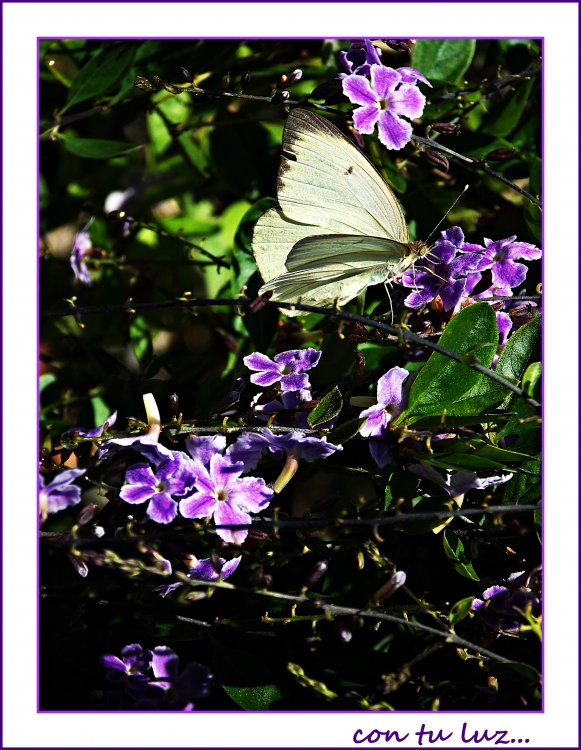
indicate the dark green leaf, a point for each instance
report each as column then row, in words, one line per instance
column 460, row 610
column 443, row 382
column 507, row 119
column 327, row 408
column 443, row 59
column 140, row 335
column 524, row 674
column 346, row 431
column 249, row 682
column 95, row 148
column 522, row 486
column 457, row 558
column 101, row 72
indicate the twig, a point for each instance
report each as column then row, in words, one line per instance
column 331, row 312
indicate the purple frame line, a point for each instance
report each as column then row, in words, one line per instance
column 178, row 38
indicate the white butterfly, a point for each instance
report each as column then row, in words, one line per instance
column 339, row 227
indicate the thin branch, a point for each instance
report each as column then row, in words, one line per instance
column 351, row 611
column 401, row 333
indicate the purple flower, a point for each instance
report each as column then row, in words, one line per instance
column 203, row 570
column 438, row 274
column 97, row 431
column 151, row 449
column 82, row 247
column 221, row 493
column 457, row 483
column 390, row 397
column 133, row 663
column 384, row 102
column 504, row 322
column 250, row 447
column 499, row 256
column 169, row 689
column 202, row 448
column 290, row 402
column 60, row 492
column 509, row 602
column 411, row 75
column 175, row 477
column 288, row 368
column 359, row 60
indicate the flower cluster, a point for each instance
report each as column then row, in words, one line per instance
column 164, row 689
column 501, row 604
column 83, row 249
column 384, row 100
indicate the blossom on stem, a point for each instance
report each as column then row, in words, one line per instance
column 173, row 478
column 499, row 257
column 97, row 431
column 203, row 570
column 507, row 601
column 223, row 494
column 59, row 493
column 82, row 248
column 134, row 662
column 383, row 102
column 360, row 57
column 439, row 273
column 390, row 400
column 288, row 368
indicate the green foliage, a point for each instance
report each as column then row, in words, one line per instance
column 443, row 59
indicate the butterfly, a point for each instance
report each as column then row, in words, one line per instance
column 338, row 228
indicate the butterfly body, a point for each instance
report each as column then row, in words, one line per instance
column 338, row 228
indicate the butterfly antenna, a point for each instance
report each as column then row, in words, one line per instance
column 447, row 212
column 390, row 302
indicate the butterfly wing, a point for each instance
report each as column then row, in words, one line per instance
column 328, row 186
column 335, row 268
column 328, row 182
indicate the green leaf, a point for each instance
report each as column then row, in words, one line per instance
column 507, row 119
column 48, row 378
column 443, row 59
column 531, row 379
column 95, row 148
column 327, row 408
column 525, row 485
column 534, row 220
column 443, row 382
column 346, row 431
column 401, row 487
column 511, row 365
column 247, row 680
column 140, row 334
column 460, row 610
column 525, row 674
column 457, row 558
column 101, row 73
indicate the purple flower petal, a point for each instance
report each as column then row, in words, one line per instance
column 226, row 514
column 202, row 448
column 380, row 453
column 365, row 119
column 408, row 101
column 162, row 508
column 198, row 505
column 358, row 90
column 390, row 386
column 451, row 294
column 411, row 75
column 384, row 80
column 203, row 570
column 393, row 132
column 165, row 663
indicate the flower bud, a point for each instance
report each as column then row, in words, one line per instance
column 447, row 128
column 259, row 302
column 173, row 403
column 187, row 75
column 78, row 564
column 226, row 82
column 324, row 90
column 437, row 158
column 280, row 97
column 245, row 79
column 341, row 631
column 317, row 572
column 398, row 45
column 87, row 514
column 270, row 394
column 257, row 534
column 287, row 81
column 358, row 371
column 500, row 154
column 142, row 83
column 389, row 588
